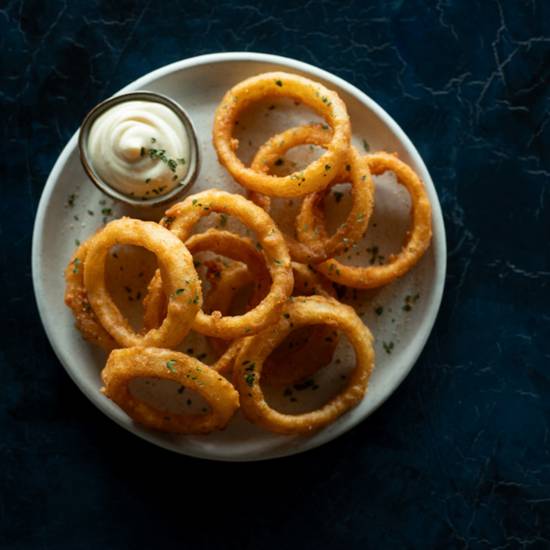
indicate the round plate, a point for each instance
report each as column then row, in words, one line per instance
column 71, row 209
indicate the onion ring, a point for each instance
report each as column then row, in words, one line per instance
column 325, row 102
column 76, row 298
column 213, row 240
column 312, row 247
column 417, row 240
column 234, row 246
column 176, row 264
column 124, row 365
column 247, row 371
column 221, row 296
column 181, row 219
column 290, row 362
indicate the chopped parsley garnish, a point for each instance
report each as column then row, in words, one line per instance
column 170, row 365
column 160, row 154
column 249, row 378
column 388, row 347
column 409, row 301
column 223, row 220
column 279, row 82
column 374, row 255
column 77, row 242
column 179, row 291
column 366, row 145
column 106, row 211
column 379, row 310
column 304, row 385
column 76, row 263
column 167, row 221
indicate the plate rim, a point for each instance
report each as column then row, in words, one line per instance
column 439, row 242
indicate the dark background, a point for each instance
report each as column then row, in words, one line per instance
column 459, row 455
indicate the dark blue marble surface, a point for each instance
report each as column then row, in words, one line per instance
column 459, row 455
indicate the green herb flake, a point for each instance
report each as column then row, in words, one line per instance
column 76, row 263
column 279, row 82
column 170, row 365
column 142, row 152
column 388, row 347
column 223, row 220
column 249, row 378
column 179, row 291
column 366, row 145
column 77, row 242
column 379, row 310
column 167, row 221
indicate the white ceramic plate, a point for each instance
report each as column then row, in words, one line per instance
column 198, row 84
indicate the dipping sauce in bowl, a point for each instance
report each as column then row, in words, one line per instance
column 140, row 148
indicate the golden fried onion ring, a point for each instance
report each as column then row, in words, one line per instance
column 417, row 240
column 312, row 247
column 76, row 298
column 181, row 281
column 213, row 240
column 291, row 363
column 247, row 371
column 182, row 217
column 325, row 102
column 220, row 297
column 124, row 365
column 227, row 244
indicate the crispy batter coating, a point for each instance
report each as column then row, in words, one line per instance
column 325, row 102
column 124, row 365
column 247, row 372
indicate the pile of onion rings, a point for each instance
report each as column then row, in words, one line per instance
column 270, row 312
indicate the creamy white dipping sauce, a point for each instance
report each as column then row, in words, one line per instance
column 140, row 148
